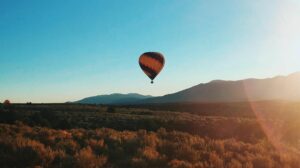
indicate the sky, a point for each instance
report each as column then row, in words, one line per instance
column 58, row 51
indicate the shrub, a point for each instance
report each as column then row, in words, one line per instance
column 110, row 109
column 86, row 159
column 6, row 103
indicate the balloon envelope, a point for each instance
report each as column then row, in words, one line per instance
column 151, row 63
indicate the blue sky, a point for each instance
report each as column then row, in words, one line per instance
column 57, row 51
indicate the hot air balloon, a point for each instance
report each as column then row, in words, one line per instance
column 152, row 63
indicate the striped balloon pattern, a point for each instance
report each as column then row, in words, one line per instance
column 152, row 63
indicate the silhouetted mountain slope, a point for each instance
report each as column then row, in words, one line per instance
column 113, row 99
column 276, row 88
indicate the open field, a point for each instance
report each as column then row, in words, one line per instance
column 257, row 134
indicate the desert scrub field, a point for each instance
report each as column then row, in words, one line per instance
column 24, row 146
column 72, row 135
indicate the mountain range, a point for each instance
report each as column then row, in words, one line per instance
column 276, row 88
column 115, row 98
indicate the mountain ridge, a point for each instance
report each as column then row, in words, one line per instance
column 114, row 98
column 251, row 89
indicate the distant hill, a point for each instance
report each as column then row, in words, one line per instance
column 276, row 88
column 113, row 99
